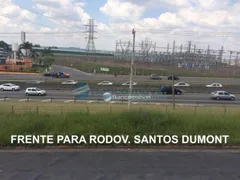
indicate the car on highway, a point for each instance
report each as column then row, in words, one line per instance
column 182, row 84
column 35, row 82
column 174, row 77
column 49, row 74
column 155, row 77
column 9, row 87
column 34, row 91
column 61, row 75
column 168, row 90
column 128, row 83
column 69, row 82
column 222, row 95
column 105, row 83
column 214, row 85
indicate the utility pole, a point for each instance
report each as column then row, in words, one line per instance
column 173, row 89
column 131, row 74
column 229, row 63
column 236, row 63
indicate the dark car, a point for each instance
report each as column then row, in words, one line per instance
column 168, row 90
column 61, row 75
column 175, row 78
column 155, row 77
column 50, row 74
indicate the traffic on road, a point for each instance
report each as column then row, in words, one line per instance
column 181, row 89
column 10, row 90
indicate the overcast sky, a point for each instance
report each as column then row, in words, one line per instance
column 213, row 22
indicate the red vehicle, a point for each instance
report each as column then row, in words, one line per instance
column 62, row 75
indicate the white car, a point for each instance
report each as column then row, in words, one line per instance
column 182, row 84
column 128, row 83
column 35, row 82
column 105, row 83
column 69, row 82
column 34, row 91
column 214, row 85
column 9, row 87
column 222, row 95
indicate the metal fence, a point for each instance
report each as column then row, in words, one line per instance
column 63, row 107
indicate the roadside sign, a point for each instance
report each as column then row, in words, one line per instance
column 104, row 69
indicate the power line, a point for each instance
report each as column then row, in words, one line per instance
column 164, row 32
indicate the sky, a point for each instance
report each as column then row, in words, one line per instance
column 61, row 22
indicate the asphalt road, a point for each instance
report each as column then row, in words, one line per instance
column 67, row 95
column 79, row 75
column 119, row 165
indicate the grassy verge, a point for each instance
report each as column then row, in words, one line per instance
column 105, row 119
column 123, row 67
column 29, row 70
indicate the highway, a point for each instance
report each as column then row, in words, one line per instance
column 79, row 75
column 119, row 165
column 58, row 91
column 98, row 96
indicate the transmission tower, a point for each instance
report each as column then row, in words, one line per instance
column 90, row 35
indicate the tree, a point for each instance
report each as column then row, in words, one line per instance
column 47, row 52
column 36, row 45
column 27, row 46
column 45, row 59
column 5, row 46
column 33, row 54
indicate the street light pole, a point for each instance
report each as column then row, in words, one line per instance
column 173, row 89
column 131, row 74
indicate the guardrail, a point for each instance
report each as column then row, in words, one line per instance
column 167, row 102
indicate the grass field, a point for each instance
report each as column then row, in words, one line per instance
column 88, row 64
column 112, row 119
column 16, row 107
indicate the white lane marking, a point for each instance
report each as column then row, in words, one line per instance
column 90, row 101
column 69, row 101
column 46, row 100
column 192, row 105
column 22, row 100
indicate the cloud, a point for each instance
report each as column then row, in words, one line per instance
column 200, row 21
column 62, row 10
column 13, row 18
column 122, row 10
column 12, row 11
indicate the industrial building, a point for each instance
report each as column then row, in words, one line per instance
column 3, row 56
